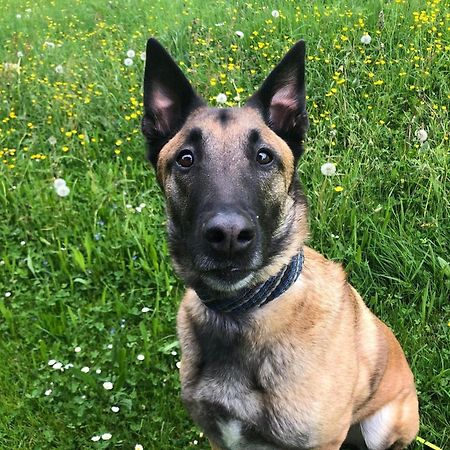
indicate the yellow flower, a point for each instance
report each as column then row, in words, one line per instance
column 338, row 188
column 119, row 142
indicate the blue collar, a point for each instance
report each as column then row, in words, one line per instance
column 255, row 297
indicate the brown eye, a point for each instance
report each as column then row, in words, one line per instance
column 185, row 159
column 264, row 157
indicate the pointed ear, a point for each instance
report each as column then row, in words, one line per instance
column 282, row 99
column 168, row 98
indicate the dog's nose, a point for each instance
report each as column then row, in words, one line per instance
column 229, row 233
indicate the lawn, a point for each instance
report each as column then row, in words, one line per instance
column 88, row 297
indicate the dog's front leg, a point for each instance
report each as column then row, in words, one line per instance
column 214, row 446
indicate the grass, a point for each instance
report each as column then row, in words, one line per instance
column 91, row 270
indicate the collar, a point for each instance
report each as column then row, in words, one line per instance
column 257, row 296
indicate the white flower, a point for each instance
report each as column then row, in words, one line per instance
column 145, row 309
column 108, row 385
column 131, row 53
column 7, row 294
column 128, row 62
column 49, row 44
column 19, row 54
column 85, row 369
column 95, row 438
column 143, row 56
column 106, row 436
column 239, row 34
column 138, row 209
column 220, row 24
column 68, row 366
column 77, row 349
column 140, row 357
column 142, row 205
column 366, row 39
column 99, row 371
column 115, row 409
column 63, row 191
column 18, row 16
column 178, row 364
column 138, row 447
column 328, row 169
column 59, row 69
column 109, row 346
column 22, row 243
column 173, row 353
column 221, row 98
column 52, row 362
column 275, row 14
column 195, row 442
column 48, row 392
column 52, row 140
column 421, row 135
column 58, row 183
column 57, row 366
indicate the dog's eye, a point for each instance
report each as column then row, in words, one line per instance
column 264, row 157
column 185, row 158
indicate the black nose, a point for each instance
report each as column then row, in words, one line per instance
column 229, row 233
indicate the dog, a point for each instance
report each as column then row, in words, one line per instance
column 278, row 349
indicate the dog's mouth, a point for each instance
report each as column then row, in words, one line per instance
column 227, row 279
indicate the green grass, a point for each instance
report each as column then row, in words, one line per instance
column 77, row 271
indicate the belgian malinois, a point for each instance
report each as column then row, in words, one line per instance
column 278, row 349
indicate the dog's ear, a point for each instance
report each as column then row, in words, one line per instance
column 168, row 98
column 282, row 99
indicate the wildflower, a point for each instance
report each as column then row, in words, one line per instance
column 178, row 364
column 131, row 53
column 140, row 357
column 18, row 16
column 138, row 447
column 275, row 14
column 115, row 409
column 239, row 34
column 49, row 44
column 98, row 371
column 57, row 366
column 108, row 385
column 59, row 69
column 58, row 183
column 22, row 243
column 173, row 353
column 366, row 39
column 221, row 98
column 62, row 191
column 143, row 56
column 85, row 369
column 421, row 135
column 52, row 140
column 52, row 362
column 128, row 62
column 328, row 169
column 338, row 188
column 7, row 294
column 11, row 67
column 145, row 309
column 109, row 346
column 95, row 438
column 106, row 436
column 19, row 54
column 48, row 392
column 77, row 349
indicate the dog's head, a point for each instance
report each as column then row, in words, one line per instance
column 235, row 211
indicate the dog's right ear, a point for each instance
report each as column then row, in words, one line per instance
column 168, row 98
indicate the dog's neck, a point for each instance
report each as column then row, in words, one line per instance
column 248, row 299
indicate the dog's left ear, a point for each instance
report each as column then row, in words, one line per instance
column 168, row 98
column 282, row 99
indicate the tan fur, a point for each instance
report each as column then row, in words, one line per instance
column 321, row 325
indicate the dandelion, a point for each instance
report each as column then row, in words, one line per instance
column 145, row 309
column 221, row 98
column 106, row 436
column 275, row 14
column 58, row 183
column 131, row 53
column 115, row 409
column 107, row 385
column 85, row 369
column 421, row 135
column 48, row 392
column 328, row 169
column 77, row 349
column 95, row 438
column 128, row 62
column 143, row 56
column 52, row 140
column 59, row 69
column 338, row 188
column 366, row 39
column 140, row 357
column 239, row 34
column 49, row 44
column 19, row 54
column 63, row 191
column 7, row 294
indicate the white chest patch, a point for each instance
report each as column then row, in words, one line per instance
column 231, row 434
column 377, row 428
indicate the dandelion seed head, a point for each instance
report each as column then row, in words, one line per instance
column 131, row 53
column 328, row 169
column 52, row 140
column 239, row 34
column 421, row 135
column 221, row 98
column 143, row 56
column 59, row 69
column 63, row 191
column 275, row 14
column 366, row 39
column 58, row 183
column 128, row 62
